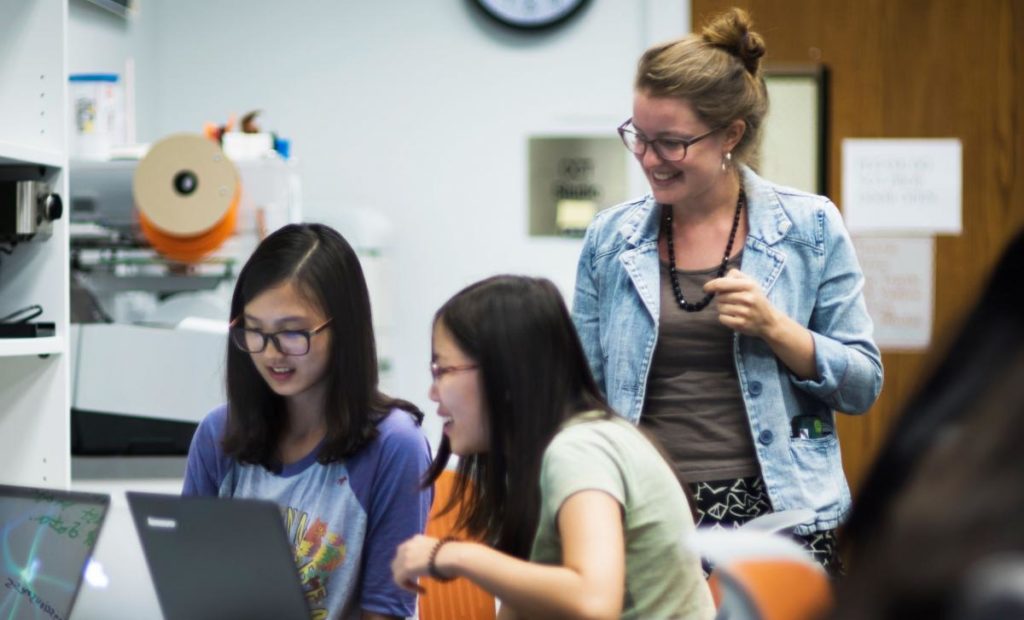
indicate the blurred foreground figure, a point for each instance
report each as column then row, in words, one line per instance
column 936, row 532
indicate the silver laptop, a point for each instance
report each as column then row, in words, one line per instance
column 218, row 558
column 46, row 540
column 117, row 583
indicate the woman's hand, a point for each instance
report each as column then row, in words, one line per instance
column 742, row 305
column 588, row 584
column 411, row 562
column 744, row 308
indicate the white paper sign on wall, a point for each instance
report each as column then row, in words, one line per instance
column 899, row 276
column 902, row 187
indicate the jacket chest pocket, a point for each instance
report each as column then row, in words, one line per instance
column 817, row 469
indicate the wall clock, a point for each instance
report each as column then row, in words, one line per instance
column 530, row 14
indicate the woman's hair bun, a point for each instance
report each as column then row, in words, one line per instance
column 731, row 31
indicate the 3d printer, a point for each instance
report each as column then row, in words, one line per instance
column 155, row 245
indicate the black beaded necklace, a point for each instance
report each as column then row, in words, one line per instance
column 700, row 305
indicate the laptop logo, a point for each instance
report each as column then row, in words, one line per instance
column 158, row 523
column 95, row 576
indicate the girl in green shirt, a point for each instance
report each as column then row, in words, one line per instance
column 581, row 515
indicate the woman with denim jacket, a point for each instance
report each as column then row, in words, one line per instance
column 721, row 312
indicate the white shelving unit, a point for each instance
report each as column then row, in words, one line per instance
column 34, row 384
column 12, row 153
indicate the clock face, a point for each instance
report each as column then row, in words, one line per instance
column 531, row 14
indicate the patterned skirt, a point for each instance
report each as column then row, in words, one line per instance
column 731, row 503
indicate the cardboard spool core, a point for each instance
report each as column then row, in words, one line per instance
column 187, row 195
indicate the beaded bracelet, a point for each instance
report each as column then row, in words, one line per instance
column 432, row 569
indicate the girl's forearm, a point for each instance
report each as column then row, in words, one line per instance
column 532, row 590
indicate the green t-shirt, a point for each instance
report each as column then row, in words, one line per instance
column 663, row 578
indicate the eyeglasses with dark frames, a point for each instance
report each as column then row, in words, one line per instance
column 437, row 371
column 292, row 342
column 668, row 149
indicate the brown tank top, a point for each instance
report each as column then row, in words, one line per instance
column 693, row 402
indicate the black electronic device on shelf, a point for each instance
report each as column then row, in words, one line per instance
column 28, row 204
column 42, row 329
column 19, row 324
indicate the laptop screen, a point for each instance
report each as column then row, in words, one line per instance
column 216, row 557
column 46, row 538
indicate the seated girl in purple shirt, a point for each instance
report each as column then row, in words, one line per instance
column 306, row 426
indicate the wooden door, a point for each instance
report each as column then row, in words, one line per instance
column 916, row 69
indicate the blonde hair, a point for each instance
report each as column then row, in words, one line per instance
column 718, row 72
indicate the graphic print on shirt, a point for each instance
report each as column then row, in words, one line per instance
column 318, row 552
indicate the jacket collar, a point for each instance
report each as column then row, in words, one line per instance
column 766, row 217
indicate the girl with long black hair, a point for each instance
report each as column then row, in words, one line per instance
column 306, row 426
column 581, row 514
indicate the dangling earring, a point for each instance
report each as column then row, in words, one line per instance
column 726, row 161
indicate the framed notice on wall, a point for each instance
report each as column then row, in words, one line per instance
column 572, row 177
column 795, row 138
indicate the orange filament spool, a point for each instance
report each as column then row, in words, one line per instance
column 187, row 194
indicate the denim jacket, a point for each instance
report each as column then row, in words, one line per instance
column 798, row 250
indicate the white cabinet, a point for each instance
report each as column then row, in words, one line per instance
column 34, row 403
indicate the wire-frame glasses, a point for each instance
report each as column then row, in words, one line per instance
column 668, row 149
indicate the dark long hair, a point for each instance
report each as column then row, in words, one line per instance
column 990, row 337
column 326, row 271
column 946, row 492
column 534, row 376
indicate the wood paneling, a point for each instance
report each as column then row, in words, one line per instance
column 916, row 69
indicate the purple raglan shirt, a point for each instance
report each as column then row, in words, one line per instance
column 344, row 519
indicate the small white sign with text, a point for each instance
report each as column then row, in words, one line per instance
column 899, row 283
column 902, row 187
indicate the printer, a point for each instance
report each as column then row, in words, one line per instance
column 149, row 327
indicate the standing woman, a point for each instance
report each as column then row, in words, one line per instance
column 721, row 312
column 582, row 516
column 305, row 425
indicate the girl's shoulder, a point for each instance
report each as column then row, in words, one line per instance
column 392, row 462
column 398, row 425
column 399, row 438
column 216, row 419
column 594, row 419
column 207, row 465
column 595, row 427
column 210, row 432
